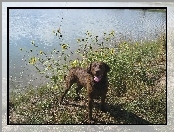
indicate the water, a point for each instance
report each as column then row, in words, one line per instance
column 38, row 25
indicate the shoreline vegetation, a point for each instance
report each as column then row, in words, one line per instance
column 153, row 10
column 159, row 10
column 137, row 84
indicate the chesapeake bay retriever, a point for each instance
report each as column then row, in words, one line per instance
column 94, row 78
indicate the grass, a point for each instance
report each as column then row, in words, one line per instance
column 137, row 89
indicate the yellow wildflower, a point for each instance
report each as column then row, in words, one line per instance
column 32, row 60
column 32, row 42
column 78, row 40
column 112, row 32
column 64, row 46
column 112, row 51
column 105, row 55
column 139, row 63
column 41, row 52
column 74, row 63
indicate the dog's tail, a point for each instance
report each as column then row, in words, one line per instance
column 65, row 77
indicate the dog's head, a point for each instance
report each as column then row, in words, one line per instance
column 98, row 70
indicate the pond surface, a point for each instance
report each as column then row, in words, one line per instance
column 38, row 25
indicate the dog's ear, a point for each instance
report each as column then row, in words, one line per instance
column 89, row 69
column 107, row 68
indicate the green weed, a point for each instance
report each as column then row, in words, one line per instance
column 134, row 96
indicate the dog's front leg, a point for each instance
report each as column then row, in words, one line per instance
column 90, row 108
column 90, row 100
column 103, row 97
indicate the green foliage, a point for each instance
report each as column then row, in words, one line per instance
column 136, row 69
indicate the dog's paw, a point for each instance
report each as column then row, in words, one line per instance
column 91, row 122
column 77, row 98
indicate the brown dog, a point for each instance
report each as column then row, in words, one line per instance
column 94, row 79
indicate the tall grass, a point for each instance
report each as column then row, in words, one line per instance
column 135, row 94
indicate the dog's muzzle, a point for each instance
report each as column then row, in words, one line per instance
column 97, row 78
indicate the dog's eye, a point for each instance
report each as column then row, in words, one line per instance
column 94, row 65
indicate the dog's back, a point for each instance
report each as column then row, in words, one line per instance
column 77, row 75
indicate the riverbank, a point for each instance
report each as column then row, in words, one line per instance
column 159, row 10
column 137, row 90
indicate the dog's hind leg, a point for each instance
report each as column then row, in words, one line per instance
column 69, row 83
column 79, row 87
